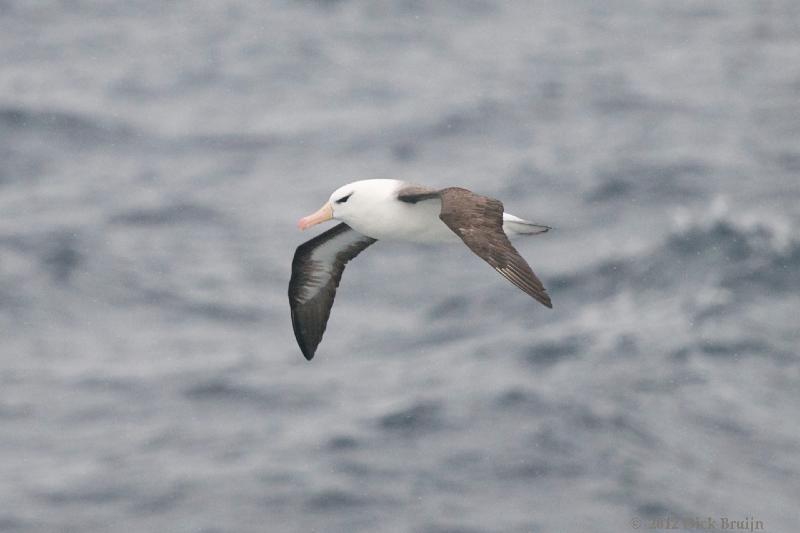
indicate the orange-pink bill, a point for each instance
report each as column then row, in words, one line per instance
column 325, row 213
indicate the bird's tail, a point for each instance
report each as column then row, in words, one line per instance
column 516, row 226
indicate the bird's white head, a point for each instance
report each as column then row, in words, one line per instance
column 353, row 202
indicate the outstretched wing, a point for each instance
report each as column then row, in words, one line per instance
column 316, row 271
column 478, row 220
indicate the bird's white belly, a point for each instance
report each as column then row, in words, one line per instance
column 399, row 221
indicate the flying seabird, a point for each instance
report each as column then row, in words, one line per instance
column 386, row 209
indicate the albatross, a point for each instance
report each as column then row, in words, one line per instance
column 392, row 210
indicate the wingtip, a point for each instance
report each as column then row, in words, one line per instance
column 307, row 353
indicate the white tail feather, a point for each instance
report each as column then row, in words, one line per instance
column 516, row 226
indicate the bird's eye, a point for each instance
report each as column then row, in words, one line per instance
column 343, row 199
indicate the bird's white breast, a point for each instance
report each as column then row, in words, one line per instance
column 394, row 220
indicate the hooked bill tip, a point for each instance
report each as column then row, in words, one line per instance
column 323, row 214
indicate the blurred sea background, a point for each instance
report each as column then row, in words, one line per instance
column 154, row 159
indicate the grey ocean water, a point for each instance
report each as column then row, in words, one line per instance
column 155, row 156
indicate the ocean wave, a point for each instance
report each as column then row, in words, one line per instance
column 232, row 142
column 226, row 390
column 342, row 442
column 71, row 127
column 516, row 397
column 743, row 259
column 412, row 137
column 550, row 352
column 421, row 417
column 648, row 180
column 335, row 499
column 59, row 254
column 178, row 213
column 175, row 301
column 446, row 528
column 62, row 256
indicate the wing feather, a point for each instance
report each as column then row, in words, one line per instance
column 478, row 220
column 317, row 268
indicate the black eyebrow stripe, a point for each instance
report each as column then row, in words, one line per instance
column 343, row 198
